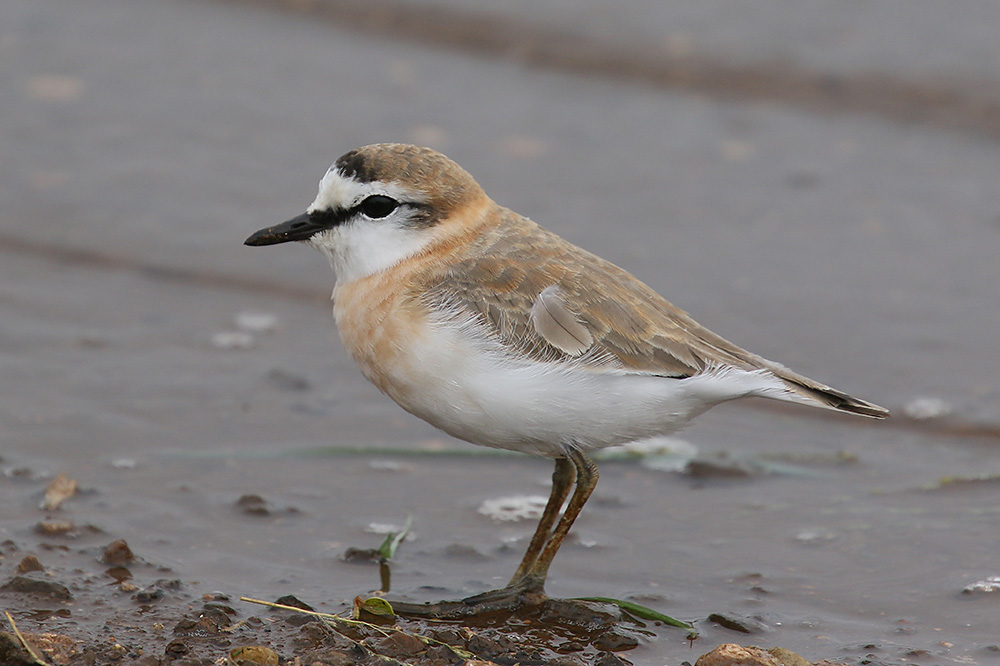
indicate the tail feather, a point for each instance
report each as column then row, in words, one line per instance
column 838, row 400
column 809, row 391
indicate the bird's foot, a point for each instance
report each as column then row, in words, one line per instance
column 526, row 593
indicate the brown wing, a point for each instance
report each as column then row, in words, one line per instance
column 627, row 325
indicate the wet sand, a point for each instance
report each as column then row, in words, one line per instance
column 171, row 371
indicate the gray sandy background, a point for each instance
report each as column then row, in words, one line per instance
column 815, row 181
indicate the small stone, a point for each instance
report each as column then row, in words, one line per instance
column 331, row 657
column 610, row 659
column 730, row 654
column 718, row 469
column 742, row 624
column 148, row 595
column 294, row 602
column 211, row 621
column 400, row 645
column 61, row 488
column 788, row 658
column 253, row 505
column 176, row 649
column 442, row 655
column 588, row 615
column 120, row 574
column 55, row 527
column 28, row 564
column 353, row 554
column 254, row 655
column 117, row 553
column 616, row 640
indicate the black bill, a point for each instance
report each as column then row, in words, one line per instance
column 296, row 229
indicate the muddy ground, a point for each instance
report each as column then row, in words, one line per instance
column 814, row 181
column 72, row 600
column 79, row 595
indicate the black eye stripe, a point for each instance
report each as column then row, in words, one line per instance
column 420, row 215
column 332, row 217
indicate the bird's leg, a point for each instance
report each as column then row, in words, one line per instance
column 514, row 594
column 586, row 479
column 527, row 586
column 562, row 481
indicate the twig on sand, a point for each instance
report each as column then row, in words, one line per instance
column 24, row 643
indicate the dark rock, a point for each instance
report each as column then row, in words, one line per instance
column 587, row 615
column 742, row 624
column 11, row 652
column 151, row 593
column 610, row 659
column 400, row 645
column 176, row 649
column 330, row 657
column 568, row 660
column 40, row 588
column 441, row 655
column 362, row 555
column 120, row 574
column 718, row 469
column 253, row 505
column 616, row 640
column 294, row 602
column 485, row 646
column 212, row 621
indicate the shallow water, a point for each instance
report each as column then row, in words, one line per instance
column 834, row 537
column 857, row 249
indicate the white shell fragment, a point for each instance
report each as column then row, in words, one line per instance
column 927, row 408
column 256, row 322
column 232, row 340
column 988, row 584
column 514, row 508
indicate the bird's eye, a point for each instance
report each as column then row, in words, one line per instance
column 378, row 205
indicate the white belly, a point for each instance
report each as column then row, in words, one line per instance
column 473, row 389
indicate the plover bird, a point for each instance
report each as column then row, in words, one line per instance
column 501, row 333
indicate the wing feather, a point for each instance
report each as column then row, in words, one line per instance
column 545, row 299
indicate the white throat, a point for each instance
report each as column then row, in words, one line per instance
column 358, row 250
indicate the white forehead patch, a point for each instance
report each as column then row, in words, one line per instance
column 337, row 191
